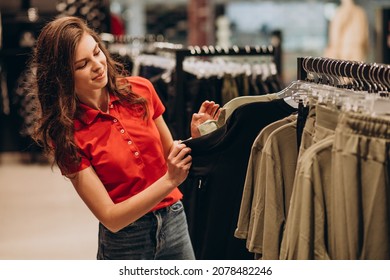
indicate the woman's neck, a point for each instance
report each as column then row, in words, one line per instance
column 98, row 101
column 104, row 101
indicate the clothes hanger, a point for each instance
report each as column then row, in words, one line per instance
column 330, row 90
column 365, row 98
column 317, row 82
column 381, row 102
column 294, row 86
column 300, row 91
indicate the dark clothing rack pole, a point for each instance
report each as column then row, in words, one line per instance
column 206, row 51
column 26, row 4
column 367, row 74
column 301, row 72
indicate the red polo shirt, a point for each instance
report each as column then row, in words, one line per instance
column 124, row 149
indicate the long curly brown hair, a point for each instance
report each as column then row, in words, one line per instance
column 53, row 63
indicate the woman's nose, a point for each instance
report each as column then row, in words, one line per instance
column 97, row 65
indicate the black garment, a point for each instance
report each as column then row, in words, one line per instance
column 262, row 85
column 213, row 189
column 167, row 93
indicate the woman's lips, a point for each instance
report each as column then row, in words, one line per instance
column 99, row 77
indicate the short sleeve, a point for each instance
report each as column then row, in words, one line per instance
column 145, row 88
column 84, row 163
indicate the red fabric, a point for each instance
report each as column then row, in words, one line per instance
column 124, row 150
column 117, row 26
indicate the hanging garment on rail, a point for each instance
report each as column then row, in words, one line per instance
column 218, row 79
column 360, row 205
column 306, row 230
column 221, row 90
column 213, row 190
column 338, row 205
column 267, row 188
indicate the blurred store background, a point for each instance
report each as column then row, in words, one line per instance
column 295, row 28
column 299, row 28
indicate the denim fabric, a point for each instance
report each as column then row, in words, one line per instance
column 159, row 235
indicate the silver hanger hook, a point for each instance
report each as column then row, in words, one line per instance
column 372, row 75
column 359, row 79
column 336, row 72
column 317, row 70
column 382, row 81
column 314, row 71
column 339, row 76
column 365, row 66
column 305, row 66
column 324, row 68
column 304, row 63
column 386, row 80
column 329, row 71
column 354, row 81
column 342, row 74
column 381, row 68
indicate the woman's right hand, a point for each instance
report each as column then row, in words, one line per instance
column 179, row 162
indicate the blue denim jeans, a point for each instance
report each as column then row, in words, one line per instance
column 159, row 235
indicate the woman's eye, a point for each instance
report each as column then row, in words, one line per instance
column 97, row 53
column 81, row 66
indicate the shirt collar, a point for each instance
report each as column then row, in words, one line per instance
column 86, row 115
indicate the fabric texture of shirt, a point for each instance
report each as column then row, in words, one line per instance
column 279, row 160
column 124, row 149
column 251, row 196
column 308, row 228
column 304, row 236
column 308, row 131
column 361, row 176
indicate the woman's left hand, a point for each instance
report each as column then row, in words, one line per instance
column 207, row 111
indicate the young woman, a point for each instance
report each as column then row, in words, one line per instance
column 107, row 135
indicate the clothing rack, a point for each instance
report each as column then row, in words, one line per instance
column 130, row 46
column 181, row 53
column 109, row 38
column 355, row 75
column 371, row 77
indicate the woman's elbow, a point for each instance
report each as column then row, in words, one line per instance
column 112, row 226
column 114, row 223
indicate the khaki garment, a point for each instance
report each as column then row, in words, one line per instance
column 308, row 131
column 304, row 235
column 307, row 227
column 361, row 194
column 279, row 160
column 250, row 211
